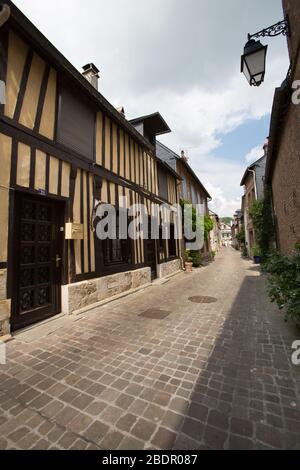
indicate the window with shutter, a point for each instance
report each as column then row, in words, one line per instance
column 162, row 183
column 76, row 125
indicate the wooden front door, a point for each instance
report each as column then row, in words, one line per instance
column 150, row 252
column 37, row 260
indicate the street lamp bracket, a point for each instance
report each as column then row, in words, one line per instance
column 282, row 27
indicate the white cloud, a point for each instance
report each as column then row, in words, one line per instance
column 254, row 154
column 179, row 58
column 222, row 180
column 221, row 204
column 140, row 45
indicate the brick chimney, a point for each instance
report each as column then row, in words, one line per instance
column 183, row 155
column 91, row 73
column 121, row 110
column 265, row 147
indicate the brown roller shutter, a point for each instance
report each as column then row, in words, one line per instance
column 76, row 126
column 162, row 183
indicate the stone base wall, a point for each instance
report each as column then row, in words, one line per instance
column 168, row 268
column 82, row 294
column 4, row 305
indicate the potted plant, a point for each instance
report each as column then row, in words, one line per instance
column 256, row 254
column 196, row 258
column 188, row 264
column 244, row 252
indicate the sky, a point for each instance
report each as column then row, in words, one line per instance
column 181, row 58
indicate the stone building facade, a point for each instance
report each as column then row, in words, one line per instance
column 190, row 187
column 253, row 182
column 215, row 234
column 283, row 164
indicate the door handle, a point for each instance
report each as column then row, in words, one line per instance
column 57, row 260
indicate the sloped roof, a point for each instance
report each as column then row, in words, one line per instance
column 154, row 123
column 168, row 155
column 251, row 167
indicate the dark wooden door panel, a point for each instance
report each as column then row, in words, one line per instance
column 37, row 274
column 151, row 251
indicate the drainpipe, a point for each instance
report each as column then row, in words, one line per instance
column 4, row 14
column 255, row 191
column 246, row 231
column 254, row 179
column 181, row 245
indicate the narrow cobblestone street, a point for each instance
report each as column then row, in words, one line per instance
column 195, row 376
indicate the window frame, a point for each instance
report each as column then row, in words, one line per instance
column 125, row 247
column 172, row 248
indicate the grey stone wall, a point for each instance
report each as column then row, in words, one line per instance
column 86, row 293
column 168, row 268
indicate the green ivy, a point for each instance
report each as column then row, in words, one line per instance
column 241, row 237
column 208, row 226
column 262, row 217
column 284, row 282
column 196, row 220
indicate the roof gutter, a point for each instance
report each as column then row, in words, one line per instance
column 187, row 166
column 254, row 180
column 169, row 169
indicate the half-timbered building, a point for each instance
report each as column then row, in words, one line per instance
column 190, row 187
column 64, row 149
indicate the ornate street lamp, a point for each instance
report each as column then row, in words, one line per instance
column 253, row 62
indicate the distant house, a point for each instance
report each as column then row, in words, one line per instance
column 215, row 234
column 253, row 182
column 190, row 187
column 226, row 235
column 236, row 227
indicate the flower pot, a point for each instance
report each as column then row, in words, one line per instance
column 257, row 259
column 188, row 267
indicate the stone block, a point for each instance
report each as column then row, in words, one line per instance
column 82, row 294
column 4, row 329
column 79, row 295
column 3, row 279
column 141, row 277
column 4, row 309
column 168, row 268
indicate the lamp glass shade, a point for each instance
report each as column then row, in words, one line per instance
column 253, row 63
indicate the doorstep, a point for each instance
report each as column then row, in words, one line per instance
column 6, row 338
column 41, row 329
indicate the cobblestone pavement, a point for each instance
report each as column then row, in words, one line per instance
column 206, row 376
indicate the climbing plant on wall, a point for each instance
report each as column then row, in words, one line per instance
column 262, row 217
